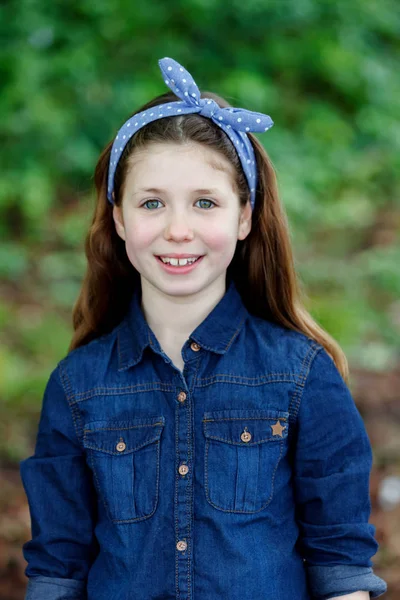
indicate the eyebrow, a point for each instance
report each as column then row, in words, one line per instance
column 161, row 191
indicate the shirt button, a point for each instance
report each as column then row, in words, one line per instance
column 181, row 396
column 120, row 446
column 246, row 435
column 195, row 347
column 183, row 469
column 181, row 545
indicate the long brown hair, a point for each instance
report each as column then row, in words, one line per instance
column 262, row 266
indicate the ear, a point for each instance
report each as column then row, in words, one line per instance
column 119, row 221
column 245, row 221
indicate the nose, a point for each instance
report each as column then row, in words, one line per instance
column 178, row 227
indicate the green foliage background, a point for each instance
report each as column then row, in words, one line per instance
column 327, row 71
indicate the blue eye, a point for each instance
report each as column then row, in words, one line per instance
column 144, row 203
column 155, row 200
column 206, row 200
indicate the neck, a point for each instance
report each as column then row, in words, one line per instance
column 173, row 318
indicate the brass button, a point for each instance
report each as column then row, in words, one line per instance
column 195, row 347
column 181, row 396
column 120, row 446
column 181, row 545
column 183, row 469
column 245, row 436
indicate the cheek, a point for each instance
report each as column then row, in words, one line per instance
column 220, row 237
column 139, row 237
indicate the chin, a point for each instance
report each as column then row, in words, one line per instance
column 182, row 289
column 179, row 288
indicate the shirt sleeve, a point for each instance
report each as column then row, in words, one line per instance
column 54, row 588
column 62, row 504
column 332, row 465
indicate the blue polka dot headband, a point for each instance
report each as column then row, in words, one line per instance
column 234, row 121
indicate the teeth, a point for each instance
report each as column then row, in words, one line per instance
column 178, row 261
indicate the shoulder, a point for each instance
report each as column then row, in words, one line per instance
column 88, row 362
column 286, row 344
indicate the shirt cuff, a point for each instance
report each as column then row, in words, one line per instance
column 55, row 588
column 330, row 581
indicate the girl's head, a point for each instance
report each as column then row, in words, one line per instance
column 182, row 196
column 158, row 210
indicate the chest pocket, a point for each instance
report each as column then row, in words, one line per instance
column 125, row 459
column 242, row 452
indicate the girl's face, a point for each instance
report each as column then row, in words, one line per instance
column 179, row 199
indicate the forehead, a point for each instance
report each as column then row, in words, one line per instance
column 170, row 163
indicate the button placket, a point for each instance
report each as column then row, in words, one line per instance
column 183, row 471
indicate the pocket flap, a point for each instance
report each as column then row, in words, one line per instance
column 129, row 436
column 267, row 425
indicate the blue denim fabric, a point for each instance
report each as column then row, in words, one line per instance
column 244, row 477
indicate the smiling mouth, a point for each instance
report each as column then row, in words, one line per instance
column 191, row 261
column 179, row 267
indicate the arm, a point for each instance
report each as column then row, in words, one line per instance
column 61, row 502
column 332, row 464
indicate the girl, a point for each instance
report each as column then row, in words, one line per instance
column 199, row 440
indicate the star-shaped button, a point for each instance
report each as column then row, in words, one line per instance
column 277, row 429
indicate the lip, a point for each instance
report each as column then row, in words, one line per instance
column 173, row 255
column 179, row 270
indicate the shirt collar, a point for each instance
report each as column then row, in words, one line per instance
column 216, row 332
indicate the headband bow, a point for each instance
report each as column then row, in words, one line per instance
column 236, row 122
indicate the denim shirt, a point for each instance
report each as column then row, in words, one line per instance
column 244, row 477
